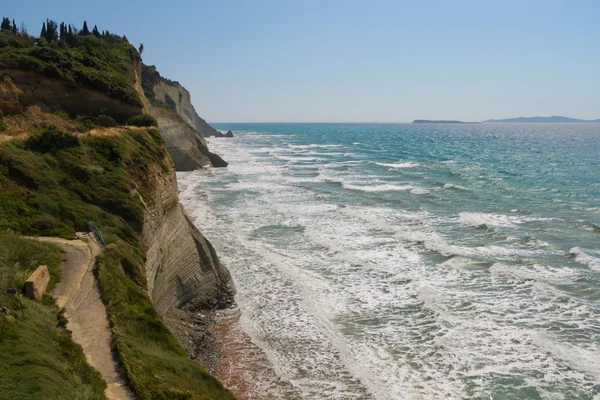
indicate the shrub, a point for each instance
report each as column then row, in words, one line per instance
column 144, row 120
column 106, row 121
column 51, row 139
column 44, row 224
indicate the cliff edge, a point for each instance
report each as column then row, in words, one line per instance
column 179, row 124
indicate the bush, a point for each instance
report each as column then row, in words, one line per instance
column 51, row 140
column 44, row 224
column 106, row 121
column 144, row 120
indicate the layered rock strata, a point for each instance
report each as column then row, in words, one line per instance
column 52, row 94
column 181, row 264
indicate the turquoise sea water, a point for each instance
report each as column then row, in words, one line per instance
column 412, row 261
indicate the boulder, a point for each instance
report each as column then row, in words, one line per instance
column 217, row 161
column 36, row 285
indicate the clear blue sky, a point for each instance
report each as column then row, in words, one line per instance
column 363, row 61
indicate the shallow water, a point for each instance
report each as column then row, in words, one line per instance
column 412, row 261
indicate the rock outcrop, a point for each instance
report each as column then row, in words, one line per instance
column 179, row 124
column 176, row 97
column 37, row 283
column 229, row 134
column 52, row 94
column 9, row 98
column 181, row 264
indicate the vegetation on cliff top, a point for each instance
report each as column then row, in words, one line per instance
column 39, row 359
column 49, row 183
column 99, row 60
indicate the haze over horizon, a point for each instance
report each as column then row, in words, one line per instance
column 361, row 61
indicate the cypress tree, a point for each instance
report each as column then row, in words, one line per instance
column 44, row 32
column 95, row 31
column 5, row 24
column 85, row 31
column 14, row 27
column 51, row 30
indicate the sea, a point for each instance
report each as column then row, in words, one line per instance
column 409, row 261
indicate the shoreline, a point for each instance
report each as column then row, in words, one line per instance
column 243, row 367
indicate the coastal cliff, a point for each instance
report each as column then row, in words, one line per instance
column 179, row 124
column 181, row 264
column 61, row 166
column 176, row 97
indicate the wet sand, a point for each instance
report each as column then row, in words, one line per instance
column 243, row 367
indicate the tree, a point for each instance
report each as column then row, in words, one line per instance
column 5, row 24
column 85, row 31
column 44, row 32
column 15, row 30
column 23, row 29
column 63, row 31
column 95, row 31
column 51, row 30
column 141, row 49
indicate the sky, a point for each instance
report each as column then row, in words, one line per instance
column 358, row 61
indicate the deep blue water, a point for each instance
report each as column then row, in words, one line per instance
column 401, row 261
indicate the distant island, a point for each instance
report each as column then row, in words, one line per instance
column 553, row 119
column 441, row 121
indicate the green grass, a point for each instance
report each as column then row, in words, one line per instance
column 155, row 363
column 104, row 64
column 39, row 359
column 61, row 177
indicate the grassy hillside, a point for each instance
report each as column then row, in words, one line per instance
column 49, row 182
column 39, row 359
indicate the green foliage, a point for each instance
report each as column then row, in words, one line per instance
column 154, row 362
column 103, row 63
column 39, row 359
column 51, row 139
column 98, row 176
column 143, row 120
column 6, row 26
column 85, row 31
column 2, row 126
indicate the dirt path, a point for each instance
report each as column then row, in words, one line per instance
column 78, row 292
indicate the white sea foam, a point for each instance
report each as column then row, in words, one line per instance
column 584, row 258
column 419, row 191
column 486, row 219
column 399, row 165
column 377, row 188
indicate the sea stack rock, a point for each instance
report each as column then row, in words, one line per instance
column 229, row 134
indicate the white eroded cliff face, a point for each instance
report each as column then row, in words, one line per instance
column 179, row 100
column 179, row 124
column 181, row 264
